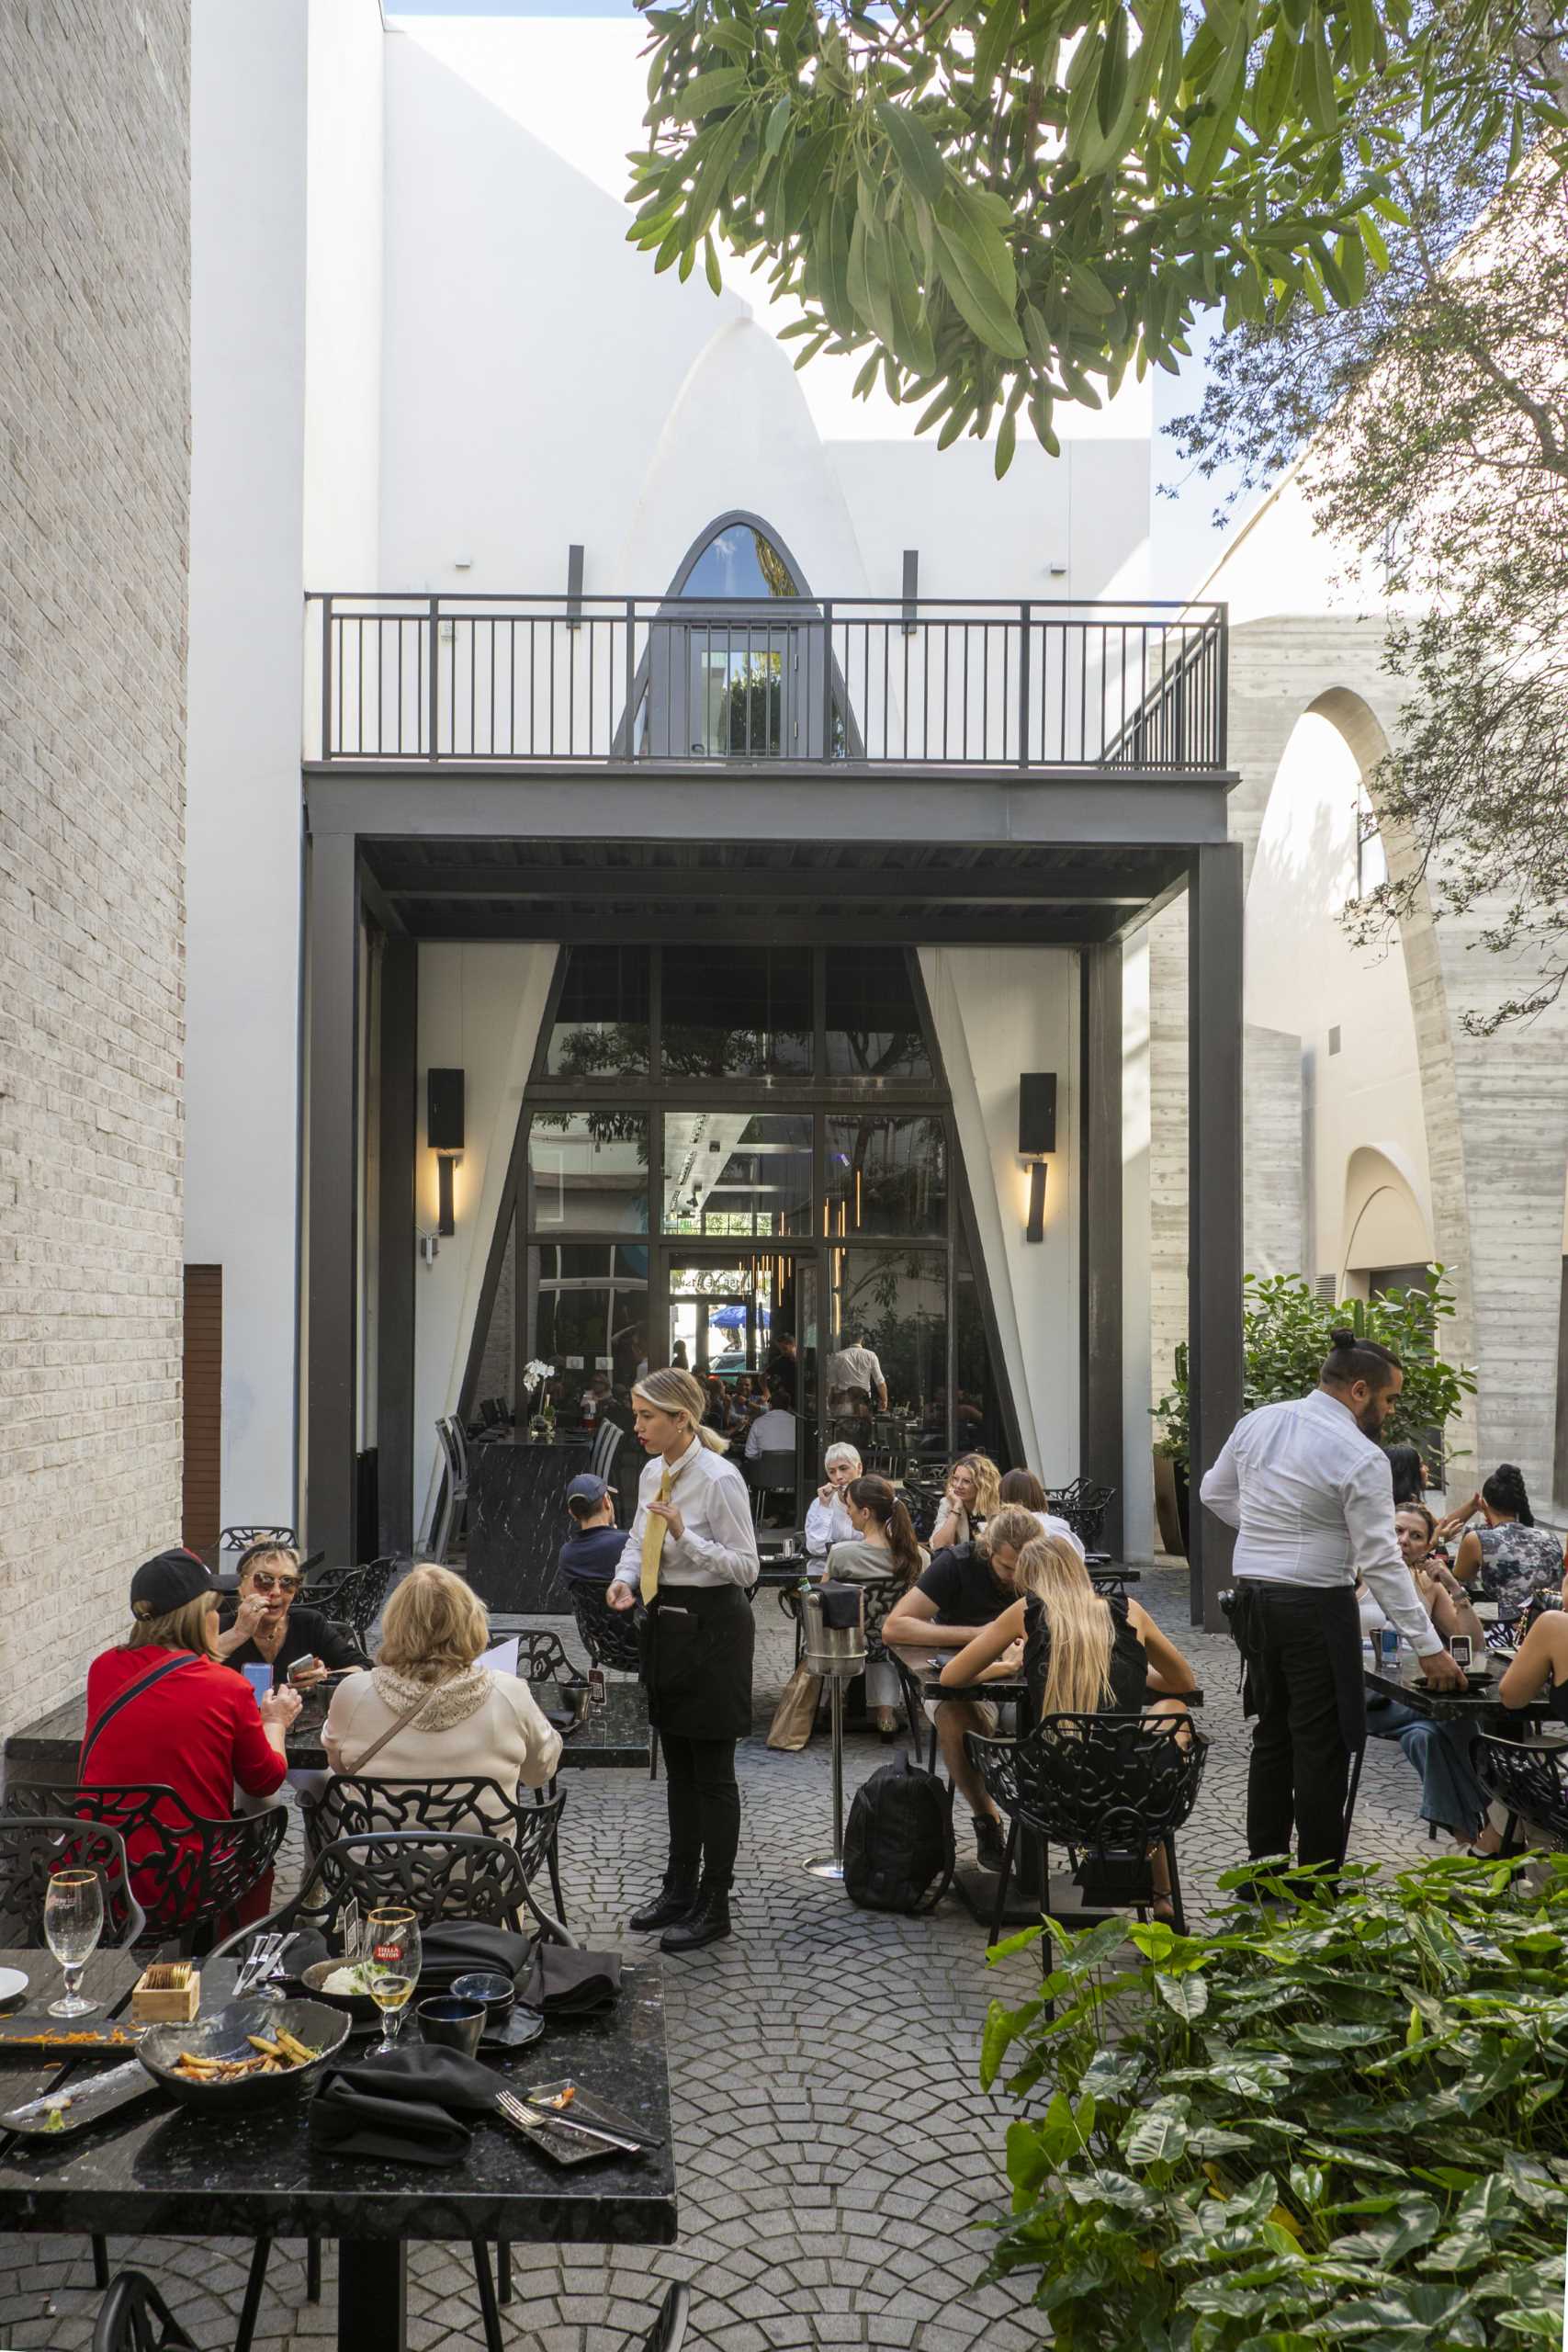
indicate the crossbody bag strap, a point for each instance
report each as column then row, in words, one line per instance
column 123, row 1698
column 409, row 1715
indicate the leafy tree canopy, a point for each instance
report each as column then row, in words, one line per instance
column 1007, row 203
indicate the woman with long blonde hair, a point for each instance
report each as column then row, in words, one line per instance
column 690, row 1552
column 972, row 1494
column 1081, row 1651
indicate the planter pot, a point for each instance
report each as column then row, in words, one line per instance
column 1171, row 1505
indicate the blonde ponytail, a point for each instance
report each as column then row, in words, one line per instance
column 677, row 1392
column 1077, row 1665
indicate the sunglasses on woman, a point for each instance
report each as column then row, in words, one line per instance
column 263, row 1581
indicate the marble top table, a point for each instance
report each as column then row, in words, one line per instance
column 517, row 1521
column 614, row 1737
column 172, row 2172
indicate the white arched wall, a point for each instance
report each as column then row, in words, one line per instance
column 1494, row 1109
column 1381, row 1220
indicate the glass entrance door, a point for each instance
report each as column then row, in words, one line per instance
column 744, row 1321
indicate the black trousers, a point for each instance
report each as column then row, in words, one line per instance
column 704, row 1809
column 1307, row 1673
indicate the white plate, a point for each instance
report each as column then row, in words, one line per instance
column 12, row 1982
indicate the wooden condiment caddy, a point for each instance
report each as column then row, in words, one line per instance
column 168, row 1993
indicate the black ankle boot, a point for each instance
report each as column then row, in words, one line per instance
column 674, row 1899
column 707, row 1923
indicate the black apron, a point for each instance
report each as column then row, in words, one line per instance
column 1340, row 1628
column 697, row 1641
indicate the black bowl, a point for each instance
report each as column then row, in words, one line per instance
column 487, row 1985
column 321, row 2029
column 358, row 2006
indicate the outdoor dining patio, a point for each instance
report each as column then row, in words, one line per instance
column 832, row 2147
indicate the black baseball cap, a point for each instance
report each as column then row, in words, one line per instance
column 589, row 1489
column 167, row 1582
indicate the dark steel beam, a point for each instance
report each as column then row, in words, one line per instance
column 1010, row 885
column 758, row 929
column 333, row 1123
column 1213, row 1198
column 891, row 806
column 396, row 1267
column 1101, row 1393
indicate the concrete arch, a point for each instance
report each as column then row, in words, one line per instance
column 1383, row 1222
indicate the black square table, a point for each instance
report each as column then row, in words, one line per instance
column 162, row 2170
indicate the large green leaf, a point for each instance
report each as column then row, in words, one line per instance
column 917, row 154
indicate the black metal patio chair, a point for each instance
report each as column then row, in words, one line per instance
column 437, row 1874
column 34, row 1847
column 240, row 1538
column 352, row 1806
column 1107, row 1787
column 190, row 1875
column 351, row 1596
column 668, row 2332
column 610, row 1637
column 133, row 2317
column 1530, row 1780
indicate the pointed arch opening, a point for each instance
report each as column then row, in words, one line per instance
column 738, row 663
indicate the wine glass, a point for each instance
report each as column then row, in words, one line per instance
column 393, row 1958
column 73, row 1922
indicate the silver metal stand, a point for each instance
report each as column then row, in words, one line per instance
column 832, row 1866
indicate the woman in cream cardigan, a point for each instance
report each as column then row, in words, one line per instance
column 428, row 1710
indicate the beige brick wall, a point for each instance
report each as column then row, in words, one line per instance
column 93, row 474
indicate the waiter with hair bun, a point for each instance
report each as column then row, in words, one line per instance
column 1310, row 1492
column 691, row 1554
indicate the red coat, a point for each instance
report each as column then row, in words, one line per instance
column 197, row 1732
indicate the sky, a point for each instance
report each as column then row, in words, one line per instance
column 1184, row 541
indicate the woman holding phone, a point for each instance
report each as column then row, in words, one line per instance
column 264, row 1627
column 691, row 1554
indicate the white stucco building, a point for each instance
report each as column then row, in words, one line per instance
column 580, row 587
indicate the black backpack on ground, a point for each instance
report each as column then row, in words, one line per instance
column 898, row 1853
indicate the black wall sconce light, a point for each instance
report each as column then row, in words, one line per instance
column 1037, row 1140
column 443, row 1133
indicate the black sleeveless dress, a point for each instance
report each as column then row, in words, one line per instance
column 1129, row 1666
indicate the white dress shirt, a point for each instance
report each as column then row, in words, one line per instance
column 854, row 1368
column 770, row 1432
column 1311, row 1498
column 718, row 1543
column 827, row 1524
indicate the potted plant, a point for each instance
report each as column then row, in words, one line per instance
column 1285, row 1337
column 1341, row 2121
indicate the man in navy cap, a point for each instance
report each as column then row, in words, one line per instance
column 592, row 1555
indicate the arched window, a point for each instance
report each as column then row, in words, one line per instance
column 734, row 668
column 738, row 560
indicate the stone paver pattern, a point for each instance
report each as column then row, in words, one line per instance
column 835, row 2152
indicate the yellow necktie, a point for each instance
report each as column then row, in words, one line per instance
column 653, row 1536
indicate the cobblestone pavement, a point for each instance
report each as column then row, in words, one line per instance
column 834, row 2149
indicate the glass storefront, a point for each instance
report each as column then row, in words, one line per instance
column 772, row 1127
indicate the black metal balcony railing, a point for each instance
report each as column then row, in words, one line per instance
column 449, row 681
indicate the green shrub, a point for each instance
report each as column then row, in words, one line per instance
column 1285, row 1328
column 1342, row 2124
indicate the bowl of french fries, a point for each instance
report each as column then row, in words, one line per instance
column 254, row 2053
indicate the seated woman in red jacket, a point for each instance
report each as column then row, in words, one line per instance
column 162, row 1709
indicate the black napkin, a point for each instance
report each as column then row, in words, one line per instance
column 841, row 1605
column 302, row 1951
column 455, row 1946
column 407, row 2104
column 565, row 1982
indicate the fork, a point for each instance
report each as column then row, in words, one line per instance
column 535, row 2119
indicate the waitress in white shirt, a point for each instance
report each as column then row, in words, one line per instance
column 692, row 1555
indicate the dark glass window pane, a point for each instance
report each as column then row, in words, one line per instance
column 887, row 1176
column 887, row 1328
column 740, row 560
column 600, row 1025
column 978, row 1424
column 588, row 1173
column 732, row 1176
column 736, row 1012
column 874, row 1026
column 573, row 1332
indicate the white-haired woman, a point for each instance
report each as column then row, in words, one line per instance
column 691, row 1553
column 828, row 1521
